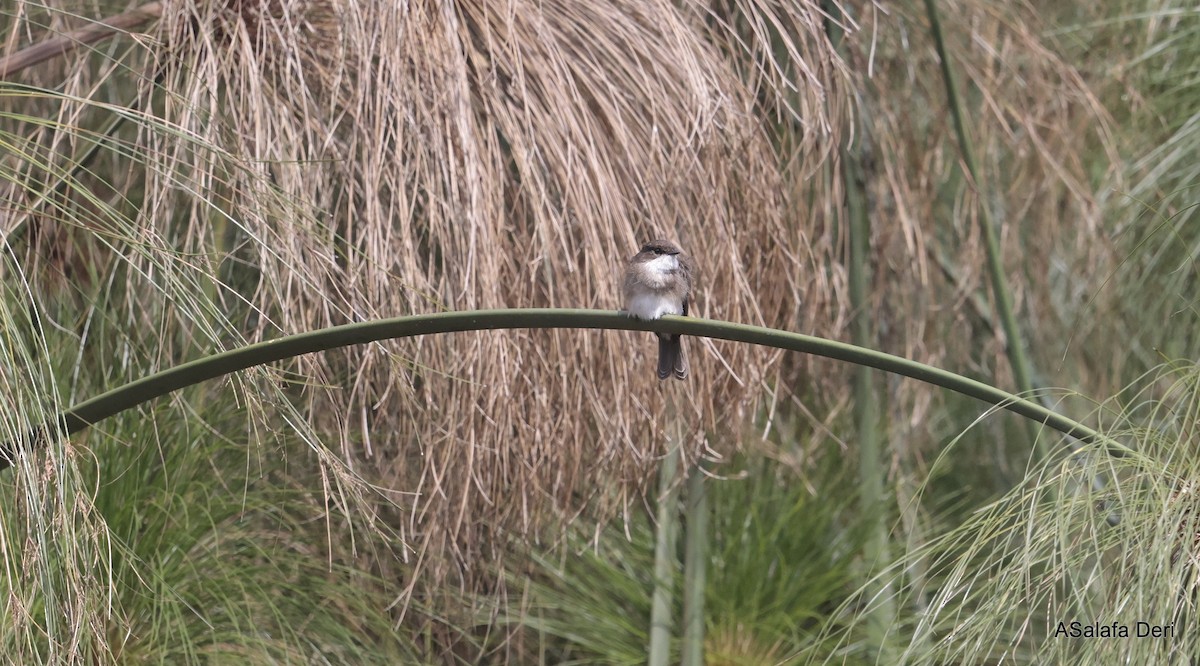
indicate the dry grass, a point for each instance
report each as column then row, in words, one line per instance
column 336, row 161
column 1033, row 116
column 427, row 156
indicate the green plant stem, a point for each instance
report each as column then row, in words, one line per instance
column 1016, row 347
column 871, row 470
column 695, row 564
column 666, row 529
column 131, row 395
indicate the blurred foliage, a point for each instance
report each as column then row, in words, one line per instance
column 783, row 557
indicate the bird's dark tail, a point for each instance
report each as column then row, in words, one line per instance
column 670, row 357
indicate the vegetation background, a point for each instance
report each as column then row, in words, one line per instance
column 220, row 172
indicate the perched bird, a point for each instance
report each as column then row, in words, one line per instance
column 658, row 281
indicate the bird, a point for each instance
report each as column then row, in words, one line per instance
column 658, row 281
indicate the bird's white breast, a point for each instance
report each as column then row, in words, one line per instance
column 655, row 293
column 646, row 304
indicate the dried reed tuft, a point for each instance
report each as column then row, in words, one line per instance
column 478, row 155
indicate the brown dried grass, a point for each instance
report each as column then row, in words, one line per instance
column 407, row 158
column 1033, row 117
column 484, row 155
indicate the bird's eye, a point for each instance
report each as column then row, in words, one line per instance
column 658, row 250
